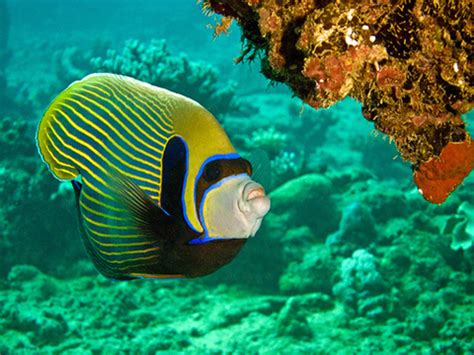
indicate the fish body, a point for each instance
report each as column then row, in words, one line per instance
column 162, row 191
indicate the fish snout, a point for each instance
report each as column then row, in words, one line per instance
column 254, row 202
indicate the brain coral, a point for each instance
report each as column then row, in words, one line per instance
column 409, row 62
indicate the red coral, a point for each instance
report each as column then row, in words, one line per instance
column 440, row 176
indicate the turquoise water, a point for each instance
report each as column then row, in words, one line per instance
column 350, row 259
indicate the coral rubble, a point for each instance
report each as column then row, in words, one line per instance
column 409, row 63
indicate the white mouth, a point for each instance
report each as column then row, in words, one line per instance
column 254, row 204
column 256, row 193
column 252, row 191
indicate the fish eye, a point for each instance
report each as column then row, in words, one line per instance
column 211, row 173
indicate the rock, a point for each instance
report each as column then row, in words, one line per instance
column 292, row 320
column 425, row 326
column 22, row 273
column 356, row 230
column 313, row 274
column 306, row 200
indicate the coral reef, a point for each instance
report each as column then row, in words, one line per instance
column 408, row 63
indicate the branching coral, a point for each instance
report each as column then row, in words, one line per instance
column 409, row 62
column 270, row 140
column 362, row 288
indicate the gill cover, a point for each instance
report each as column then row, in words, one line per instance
column 233, row 208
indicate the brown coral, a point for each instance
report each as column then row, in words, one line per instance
column 409, row 62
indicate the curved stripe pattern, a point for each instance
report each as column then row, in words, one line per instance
column 102, row 125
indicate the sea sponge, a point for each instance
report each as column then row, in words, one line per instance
column 408, row 63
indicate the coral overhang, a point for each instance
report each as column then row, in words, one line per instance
column 409, row 62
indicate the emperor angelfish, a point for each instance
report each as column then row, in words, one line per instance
column 161, row 191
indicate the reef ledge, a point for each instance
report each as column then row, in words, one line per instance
column 409, row 62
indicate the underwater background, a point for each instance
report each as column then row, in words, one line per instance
column 350, row 259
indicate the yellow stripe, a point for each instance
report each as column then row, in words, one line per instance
column 72, row 175
column 138, row 93
column 85, row 156
column 97, row 128
column 57, row 161
column 164, row 113
column 99, row 191
column 96, row 152
column 128, row 252
column 90, row 198
column 156, row 101
column 92, row 112
column 105, row 225
column 72, row 172
column 98, row 141
column 105, row 109
column 132, row 259
column 135, row 266
column 106, row 93
column 153, row 139
column 157, row 276
column 118, row 236
column 139, row 116
column 148, row 91
column 137, row 244
column 106, row 260
column 100, row 214
column 81, row 166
